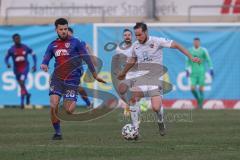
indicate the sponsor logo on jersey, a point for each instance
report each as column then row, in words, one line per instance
column 146, row 57
column 61, row 52
column 19, row 59
column 151, row 45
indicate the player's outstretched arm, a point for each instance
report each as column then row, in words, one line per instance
column 128, row 66
column 7, row 59
column 47, row 57
column 34, row 68
column 87, row 59
column 95, row 76
column 34, row 57
column 209, row 62
column 184, row 51
column 93, row 58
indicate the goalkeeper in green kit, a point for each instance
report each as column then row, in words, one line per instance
column 196, row 71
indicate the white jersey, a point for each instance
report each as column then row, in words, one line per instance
column 127, row 51
column 150, row 51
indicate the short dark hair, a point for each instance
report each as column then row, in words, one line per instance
column 127, row 30
column 70, row 29
column 60, row 21
column 15, row 35
column 196, row 39
column 141, row 25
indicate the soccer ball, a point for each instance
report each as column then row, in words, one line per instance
column 129, row 132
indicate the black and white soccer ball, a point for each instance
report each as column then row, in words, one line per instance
column 129, row 132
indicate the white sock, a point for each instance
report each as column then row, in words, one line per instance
column 135, row 111
column 160, row 115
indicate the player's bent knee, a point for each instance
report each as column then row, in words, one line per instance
column 54, row 104
column 68, row 111
column 69, row 106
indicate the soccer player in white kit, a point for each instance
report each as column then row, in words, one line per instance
column 125, row 48
column 147, row 52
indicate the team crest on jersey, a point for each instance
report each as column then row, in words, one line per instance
column 67, row 45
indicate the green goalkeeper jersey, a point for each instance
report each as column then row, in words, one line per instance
column 196, row 68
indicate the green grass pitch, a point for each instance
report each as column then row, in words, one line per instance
column 191, row 135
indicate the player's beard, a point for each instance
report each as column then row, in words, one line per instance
column 127, row 41
column 63, row 37
column 145, row 40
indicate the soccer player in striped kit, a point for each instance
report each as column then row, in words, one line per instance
column 19, row 53
column 68, row 53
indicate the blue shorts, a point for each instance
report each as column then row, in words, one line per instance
column 21, row 76
column 59, row 87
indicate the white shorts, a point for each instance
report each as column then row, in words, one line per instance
column 149, row 90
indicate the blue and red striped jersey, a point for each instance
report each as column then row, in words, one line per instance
column 19, row 55
column 68, row 56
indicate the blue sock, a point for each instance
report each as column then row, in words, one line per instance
column 57, row 128
column 22, row 100
column 86, row 100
